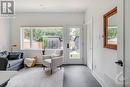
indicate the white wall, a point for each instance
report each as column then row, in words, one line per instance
column 104, row 66
column 4, row 33
column 42, row 19
column 127, row 43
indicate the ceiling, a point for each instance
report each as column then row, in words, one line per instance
column 50, row 5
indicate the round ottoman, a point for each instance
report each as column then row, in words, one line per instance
column 30, row 62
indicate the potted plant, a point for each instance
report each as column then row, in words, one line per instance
column 45, row 44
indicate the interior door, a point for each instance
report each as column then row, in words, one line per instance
column 89, row 26
column 73, row 45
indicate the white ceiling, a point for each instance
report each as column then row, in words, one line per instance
column 50, row 5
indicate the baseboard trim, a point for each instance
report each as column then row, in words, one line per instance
column 99, row 79
column 72, row 64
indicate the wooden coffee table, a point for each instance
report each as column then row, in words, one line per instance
column 5, row 77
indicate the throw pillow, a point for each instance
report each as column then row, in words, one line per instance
column 3, row 54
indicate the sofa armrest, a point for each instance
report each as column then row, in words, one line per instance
column 3, row 63
column 57, row 61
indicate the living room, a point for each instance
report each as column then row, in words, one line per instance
column 64, row 43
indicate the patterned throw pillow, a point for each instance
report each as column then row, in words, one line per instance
column 4, row 54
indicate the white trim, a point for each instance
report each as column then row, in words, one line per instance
column 21, row 38
column 90, row 31
column 99, row 79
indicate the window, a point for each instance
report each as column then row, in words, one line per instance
column 42, row 37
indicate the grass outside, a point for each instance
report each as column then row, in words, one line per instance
column 74, row 55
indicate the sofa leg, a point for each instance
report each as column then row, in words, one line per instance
column 51, row 71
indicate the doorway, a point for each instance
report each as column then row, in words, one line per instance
column 72, row 45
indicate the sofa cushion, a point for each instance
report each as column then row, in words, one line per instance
column 3, row 63
column 14, row 62
column 47, row 62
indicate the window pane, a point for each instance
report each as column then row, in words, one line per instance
column 37, row 38
column 47, row 37
column 74, row 43
column 26, row 39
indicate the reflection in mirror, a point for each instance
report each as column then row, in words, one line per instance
column 112, row 30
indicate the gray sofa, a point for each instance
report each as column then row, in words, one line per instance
column 11, row 60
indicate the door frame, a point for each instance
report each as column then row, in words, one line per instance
column 90, row 22
column 66, row 41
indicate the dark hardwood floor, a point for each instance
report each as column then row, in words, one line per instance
column 79, row 76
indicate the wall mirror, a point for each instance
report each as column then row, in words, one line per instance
column 110, row 29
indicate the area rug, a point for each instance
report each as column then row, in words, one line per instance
column 37, row 77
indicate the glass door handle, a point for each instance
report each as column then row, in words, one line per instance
column 68, row 46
